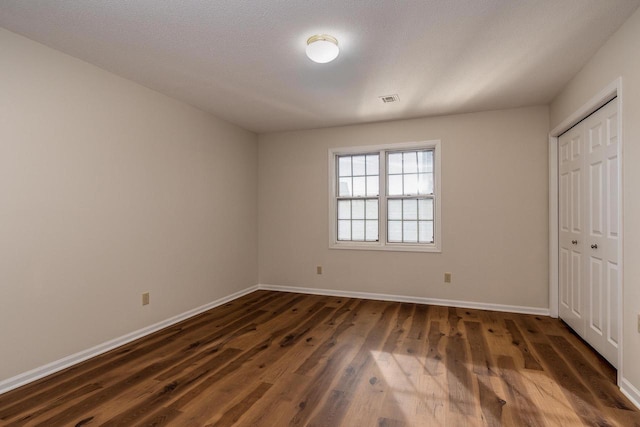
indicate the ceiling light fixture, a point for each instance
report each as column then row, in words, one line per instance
column 322, row 48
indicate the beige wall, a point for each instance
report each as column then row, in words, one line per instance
column 108, row 189
column 620, row 56
column 494, row 210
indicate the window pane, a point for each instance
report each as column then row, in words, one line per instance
column 344, row 209
column 372, row 209
column 410, row 209
column 373, row 164
column 344, row 166
column 357, row 230
column 358, row 165
column 371, row 231
column 410, row 231
column 373, row 183
column 395, row 185
column 410, row 184
column 425, row 183
column 394, row 229
column 426, row 231
column 357, row 209
column 410, row 162
column 425, row 209
column 359, row 186
column 344, row 187
column 394, row 209
column 344, row 230
column 425, row 161
column 395, row 163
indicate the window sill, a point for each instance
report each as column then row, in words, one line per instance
column 389, row 247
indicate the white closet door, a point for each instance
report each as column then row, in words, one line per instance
column 570, row 157
column 602, row 231
column 589, row 191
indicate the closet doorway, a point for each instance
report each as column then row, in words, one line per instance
column 589, row 191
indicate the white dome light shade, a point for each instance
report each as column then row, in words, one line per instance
column 322, row 48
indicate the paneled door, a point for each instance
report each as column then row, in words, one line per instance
column 570, row 162
column 589, row 191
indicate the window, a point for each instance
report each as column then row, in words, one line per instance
column 386, row 197
column 358, row 204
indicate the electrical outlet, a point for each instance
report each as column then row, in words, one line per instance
column 447, row 277
column 145, row 298
column 319, row 269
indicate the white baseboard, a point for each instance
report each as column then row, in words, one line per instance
column 630, row 391
column 65, row 362
column 417, row 300
column 626, row 387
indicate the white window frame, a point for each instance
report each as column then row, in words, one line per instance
column 382, row 243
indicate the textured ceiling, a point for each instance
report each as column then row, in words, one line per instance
column 244, row 61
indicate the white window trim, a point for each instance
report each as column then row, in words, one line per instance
column 382, row 244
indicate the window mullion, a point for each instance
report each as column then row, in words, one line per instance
column 402, row 208
column 351, row 213
column 382, row 198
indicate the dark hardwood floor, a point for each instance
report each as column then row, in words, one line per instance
column 283, row 359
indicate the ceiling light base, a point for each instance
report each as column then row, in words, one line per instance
column 322, row 48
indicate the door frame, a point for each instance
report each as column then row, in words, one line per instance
column 612, row 90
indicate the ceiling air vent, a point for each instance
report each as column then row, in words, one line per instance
column 389, row 98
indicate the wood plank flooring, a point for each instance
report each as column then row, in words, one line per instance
column 284, row 359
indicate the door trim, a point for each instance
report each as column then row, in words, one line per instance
column 612, row 90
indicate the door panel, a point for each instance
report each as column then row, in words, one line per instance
column 595, row 199
column 602, row 239
column 564, row 279
column 596, row 296
column 564, row 198
column 576, row 201
column 570, row 228
column 612, row 291
column 576, row 284
column 612, row 198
